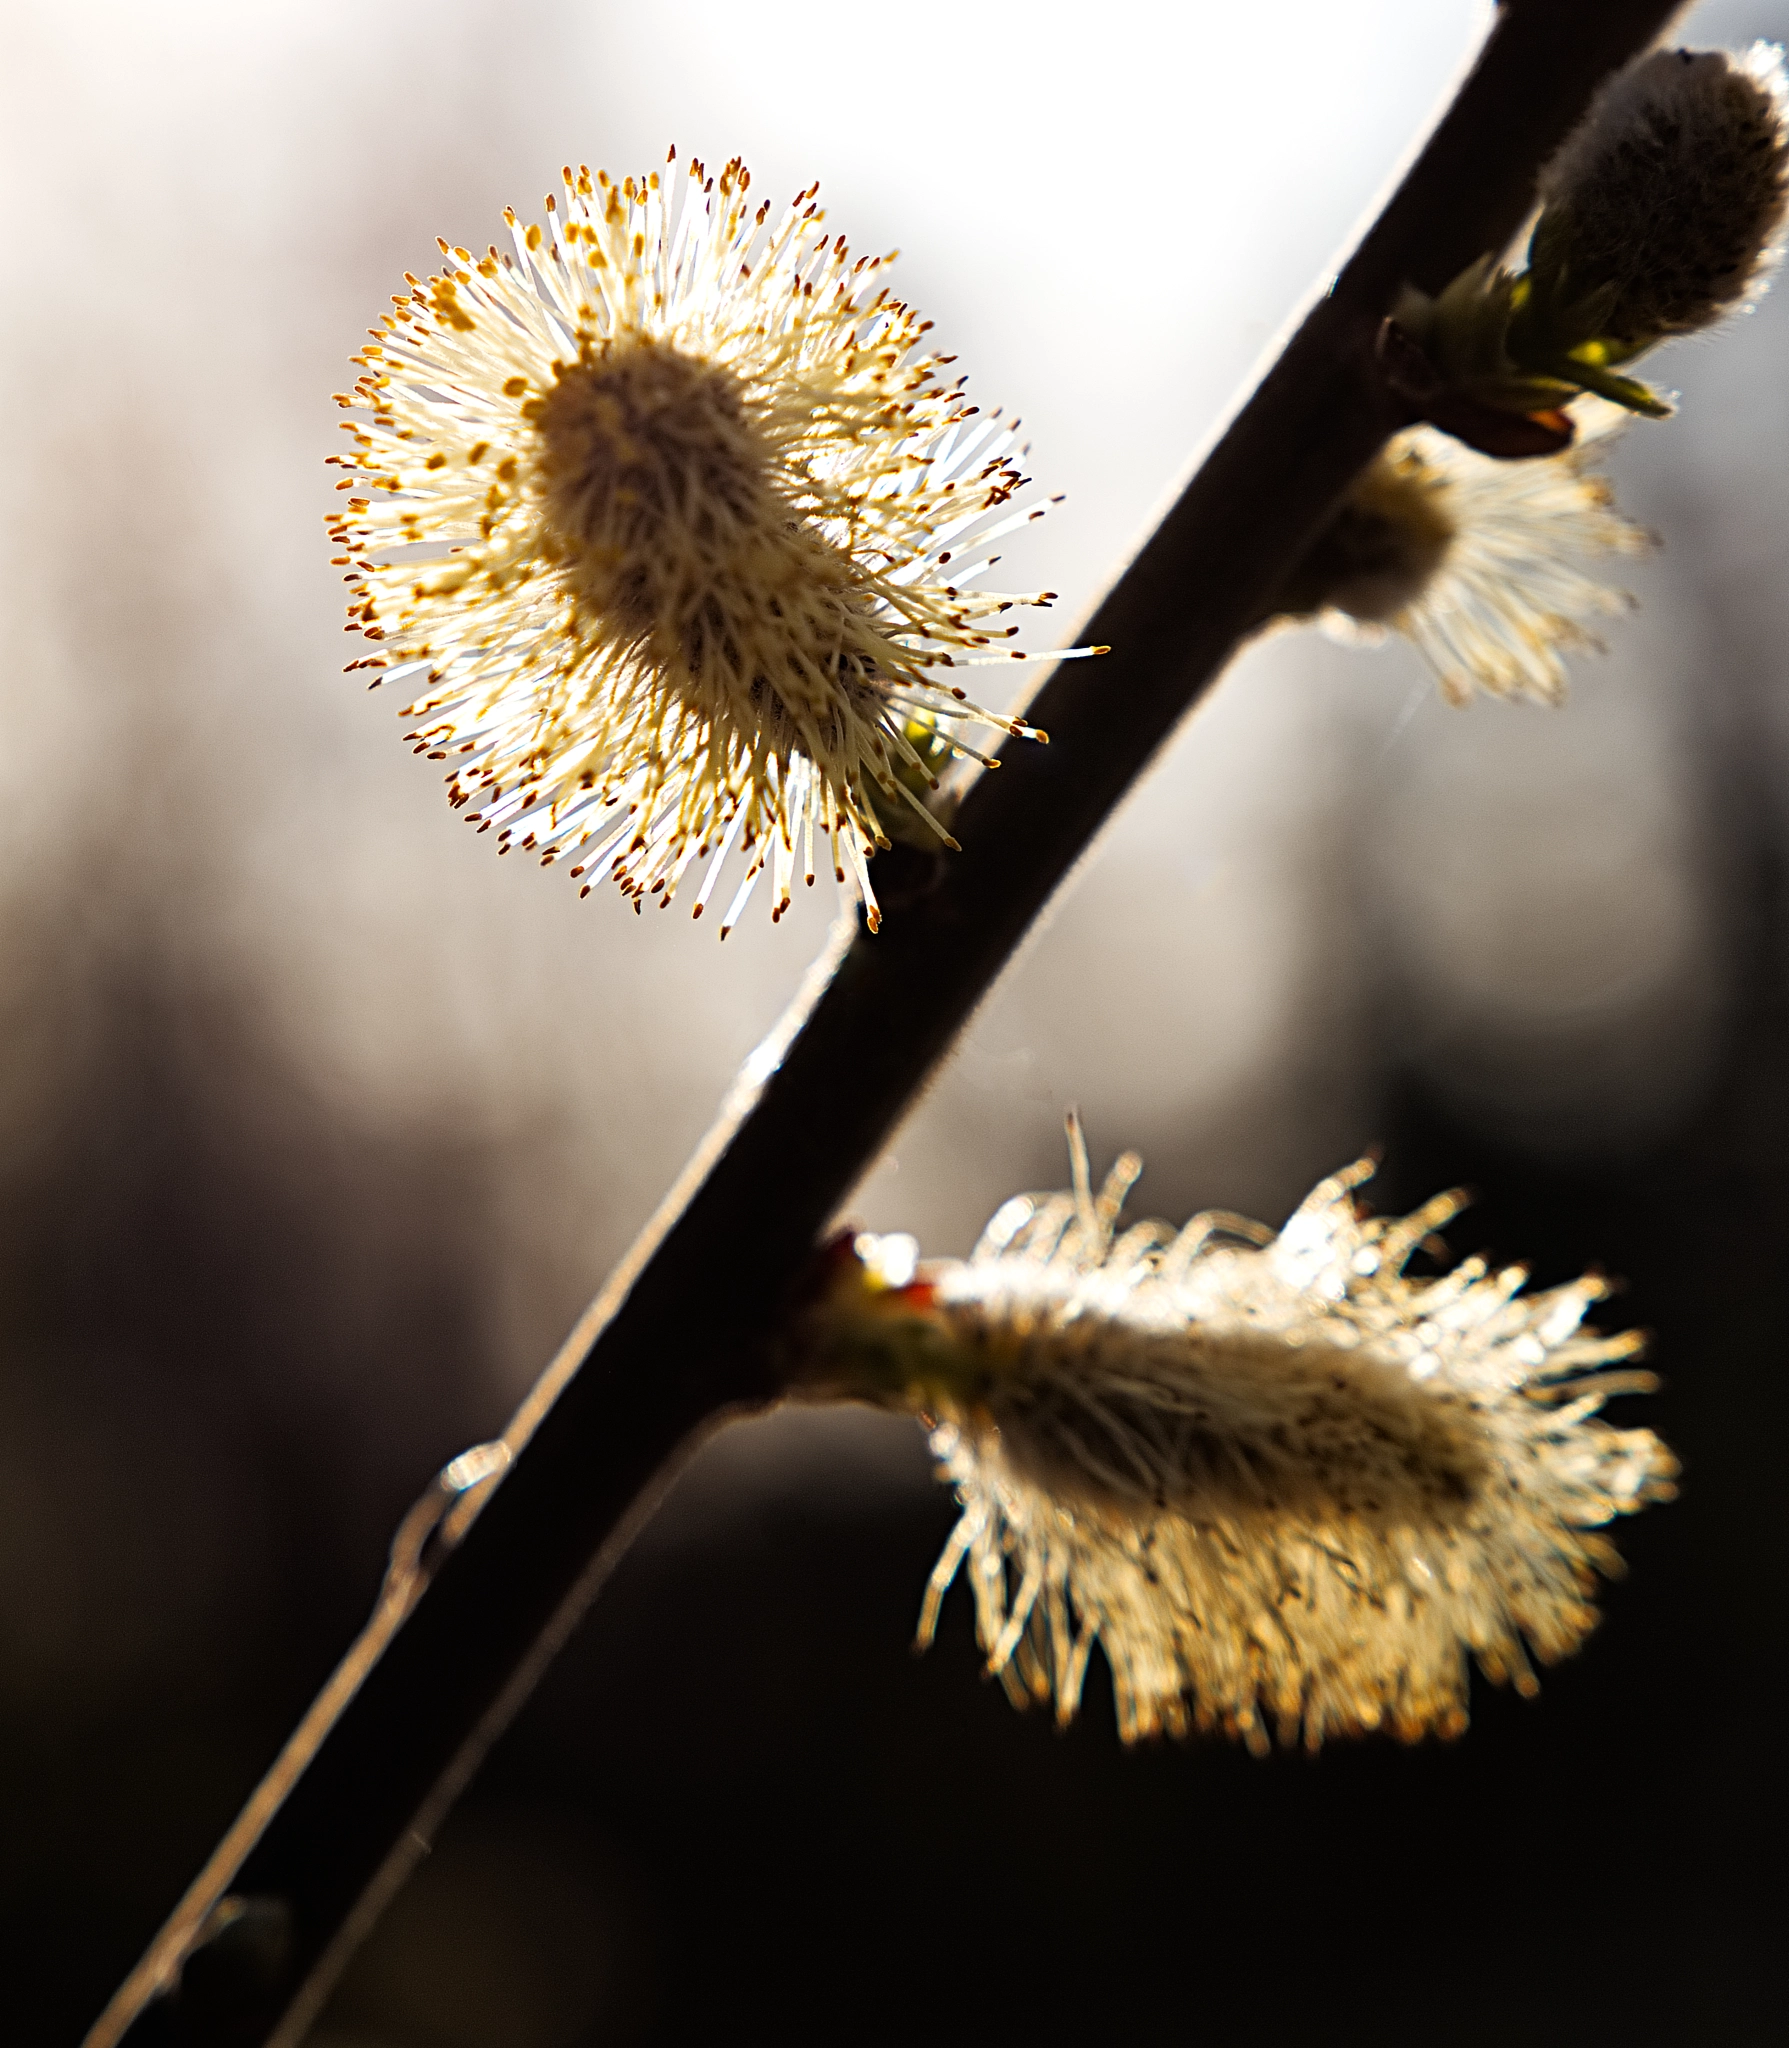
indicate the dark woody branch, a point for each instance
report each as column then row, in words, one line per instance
column 488, row 1591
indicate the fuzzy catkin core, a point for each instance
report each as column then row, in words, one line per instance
column 670, row 510
column 1380, row 551
column 646, row 464
column 1231, row 1426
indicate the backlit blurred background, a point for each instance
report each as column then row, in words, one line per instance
column 318, row 1124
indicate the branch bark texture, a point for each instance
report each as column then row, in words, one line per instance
column 674, row 1339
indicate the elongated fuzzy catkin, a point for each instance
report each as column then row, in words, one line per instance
column 1277, row 1481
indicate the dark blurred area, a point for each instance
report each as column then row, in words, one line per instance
column 739, row 1800
column 317, row 1127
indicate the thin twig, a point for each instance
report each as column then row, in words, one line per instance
column 672, row 1343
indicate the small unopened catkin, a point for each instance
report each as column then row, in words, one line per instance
column 1672, row 192
column 1280, row 1484
column 1663, row 211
